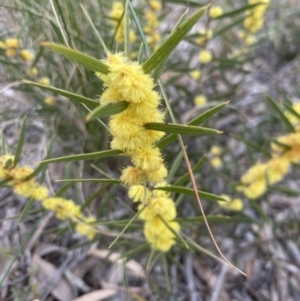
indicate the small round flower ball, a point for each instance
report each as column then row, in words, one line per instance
column 205, row 56
column 200, row 100
column 32, row 72
column 216, row 162
column 45, row 81
column 12, row 43
column 49, row 101
column 216, row 150
column 195, row 74
column 236, row 205
column 155, row 4
column 11, row 52
column 215, row 11
column 250, row 39
column 26, row 55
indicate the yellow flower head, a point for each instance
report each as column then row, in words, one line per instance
column 195, row 74
column 11, row 52
column 205, row 36
column 157, row 176
column 63, row 208
column 200, row 100
column 12, row 43
column 158, row 234
column 216, row 150
column 45, row 81
column 50, row 101
column 32, row 72
column 215, row 11
column 255, row 172
column 19, row 174
column 205, row 56
column 216, row 162
column 162, row 206
column 146, row 158
column 254, row 181
column 86, row 227
column 132, row 176
column 31, row 189
column 250, row 40
column 235, row 204
column 155, row 4
column 137, row 193
column 26, row 55
column 277, row 168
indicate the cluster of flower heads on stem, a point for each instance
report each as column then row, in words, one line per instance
column 254, row 20
column 21, row 180
column 150, row 29
column 285, row 151
column 127, row 81
column 117, row 19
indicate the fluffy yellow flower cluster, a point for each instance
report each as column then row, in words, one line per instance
column 231, row 204
column 255, row 180
column 12, row 45
column 156, row 208
column 286, row 150
column 254, row 20
column 214, row 158
column 116, row 14
column 153, row 37
column 17, row 177
column 127, row 81
column 67, row 209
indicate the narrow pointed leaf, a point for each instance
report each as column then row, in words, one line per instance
column 237, row 11
column 233, row 24
column 88, row 156
column 180, row 129
column 107, row 181
column 184, row 2
column 196, row 121
column 20, row 142
column 160, row 67
column 292, row 111
column 280, row 112
column 191, row 192
column 26, row 210
column 72, row 96
column 78, row 57
column 107, row 110
column 168, row 46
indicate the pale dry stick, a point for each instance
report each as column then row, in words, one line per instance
column 193, row 180
column 13, row 84
column 58, row 22
column 219, row 283
column 188, row 269
column 37, row 234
